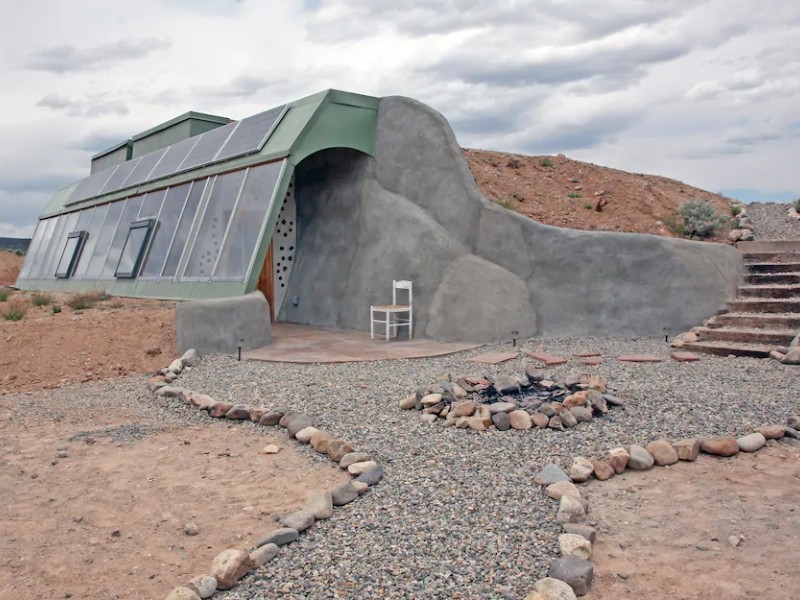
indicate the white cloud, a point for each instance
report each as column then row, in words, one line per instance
column 704, row 91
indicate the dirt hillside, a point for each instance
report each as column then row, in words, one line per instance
column 10, row 264
column 559, row 191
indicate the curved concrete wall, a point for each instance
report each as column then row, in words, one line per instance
column 479, row 271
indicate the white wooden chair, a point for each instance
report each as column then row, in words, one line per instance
column 395, row 315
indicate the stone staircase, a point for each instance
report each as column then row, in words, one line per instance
column 765, row 315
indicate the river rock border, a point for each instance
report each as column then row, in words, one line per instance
column 234, row 563
column 571, row 575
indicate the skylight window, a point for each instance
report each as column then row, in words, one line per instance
column 133, row 251
column 70, row 254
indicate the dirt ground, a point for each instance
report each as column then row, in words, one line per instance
column 10, row 264
column 94, row 501
column 664, row 534
column 636, row 202
column 46, row 349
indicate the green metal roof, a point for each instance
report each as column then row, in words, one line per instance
column 198, row 116
column 328, row 119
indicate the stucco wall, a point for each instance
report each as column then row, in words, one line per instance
column 479, row 271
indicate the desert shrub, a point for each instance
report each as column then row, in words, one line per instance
column 546, row 162
column 797, row 205
column 56, row 309
column 587, row 206
column 41, row 299
column 573, row 195
column 514, row 163
column 81, row 301
column 699, row 219
column 4, row 294
column 735, row 210
column 13, row 311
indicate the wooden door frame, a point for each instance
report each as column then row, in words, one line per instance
column 266, row 282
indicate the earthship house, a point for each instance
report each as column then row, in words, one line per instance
column 319, row 204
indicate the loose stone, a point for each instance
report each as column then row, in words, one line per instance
column 304, row 435
column 256, row 413
column 408, row 403
column 555, row 423
column 574, row 571
column 271, row 449
column 587, row 531
column 502, row 407
column 640, row 459
column 431, row 399
column 571, row 544
column 190, row 358
column 279, row 537
column 501, row 421
column 229, row 567
column 551, row 589
column 581, row 414
column 263, row 555
column 219, row 409
column 570, row 510
column 359, row 468
column 602, row 470
column 662, row 452
column 271, row 418
column 371, row 476
column 299, row 520
column 772, row 432
column 337, row 449
column 360, row 486
column 519, row 419
column 720, row 446
column 344, row 494
column 567, row 418
column 562, row 488
column 238, row 412
column 540, row 420
column 297, row 422
column 203, row 585
column 687, row 449
column 320, row 504
column 352, row 458
column 580, row 470
column 551, row 473
column 751, row 443
column 428, row 418
column 320, row 440
column 465, row 408
column 183, row 593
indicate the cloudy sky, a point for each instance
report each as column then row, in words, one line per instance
column 706, row 91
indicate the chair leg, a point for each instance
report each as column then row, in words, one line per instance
column 371, row 324
column 410, row 325
column 388, row 324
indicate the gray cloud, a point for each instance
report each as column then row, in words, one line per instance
column 67, row 58
column 90, row 107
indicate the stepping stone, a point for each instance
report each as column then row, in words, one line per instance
column 685, row 356
column 640, row 358
column 494, row 358
column 592, row 361
column 549, row 360
column 586, row 354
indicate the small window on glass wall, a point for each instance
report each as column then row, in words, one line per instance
column 70, row 254
column 134, row 249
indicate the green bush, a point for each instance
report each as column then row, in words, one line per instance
column 55, row 308
column 14, row 311
column 735, row 210
column 41, row 299
column 700, row 219
column 573, row 195
column 797, row 205
column 546, row 162
column 4, row 294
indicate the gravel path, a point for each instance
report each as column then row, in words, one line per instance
column 772, row 223
column 458, row 514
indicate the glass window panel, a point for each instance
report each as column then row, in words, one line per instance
column 84, row 218
column 248, row 221
column 165, row 229
column 133, row 248
column 93, row 229
column 33, row 248
column 41, row 253
column 72, row 250
column 129, row 213
column 104, row 239
column 59, row 239
column 184, row 229
column 212, row 228
column 152, row 204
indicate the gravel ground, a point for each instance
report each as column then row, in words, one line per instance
column 458, row 514
column 772, row 223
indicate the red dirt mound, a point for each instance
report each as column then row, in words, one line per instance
column 10, row 264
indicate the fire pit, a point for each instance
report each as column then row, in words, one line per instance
column 507, row 402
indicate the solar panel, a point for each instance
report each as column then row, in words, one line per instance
column 117, row 180
column 175, row 155
column 207, row 147
column 90, row 186
column 142, row 171
column 252, row 133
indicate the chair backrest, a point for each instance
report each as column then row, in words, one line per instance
column 401, row 284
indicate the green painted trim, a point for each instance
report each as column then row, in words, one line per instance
column 159, row 290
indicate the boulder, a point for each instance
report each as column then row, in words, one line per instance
column 571, row 544
column 430, row 400
column 540, row 420
column 320, row 440
column 567, row 418
column 337, row 449
column 687, row 449
column 640, row 459
column 720, row 446
column 502, row 407
column 463, row 408
column 751, row 443
column 190, row 358
column 320, row 505
column 297, row 422
column 358, row 468
column 501, row 421
column 519, row 419
column 580, row 470
column 279, row 537
column 229, row 567
column 271, row 417
column 344, row 494
column 239, row 412
column 304, row 435
column 602, row 470
column 219, row 409
column 587, row 531
column 662, row 452
column 555, row 423
column 370, row 476
column 574, row 571
column 263, row 554
column 581, row 414
column 618, row 459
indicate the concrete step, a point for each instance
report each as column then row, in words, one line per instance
column 745, row 320
column 764, row 306
column 776, row 246
column 773, row 267
column 769, row 291
column 728, row 348
column 771, row 257
column 773, row 279
column 766, row 337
